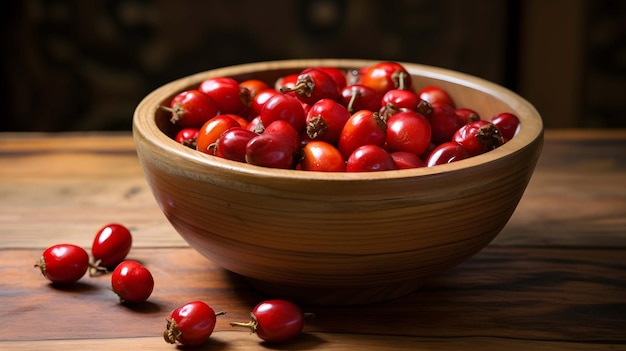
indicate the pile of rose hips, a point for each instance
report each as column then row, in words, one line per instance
column 68, row 263
column 190, row 324
column 325, row 119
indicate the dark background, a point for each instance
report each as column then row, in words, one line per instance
column 84, row 65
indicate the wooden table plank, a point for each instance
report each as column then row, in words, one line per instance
column 551, row 294
column 65, row 187
column 577, row 193
column 235, row 341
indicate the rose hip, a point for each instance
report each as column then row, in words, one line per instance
column 63, row 263
column 111, row 245
column 478, row 137
column 325, row 120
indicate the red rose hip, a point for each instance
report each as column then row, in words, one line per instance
column 63, row 263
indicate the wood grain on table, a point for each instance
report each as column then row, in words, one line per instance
column 554, row 279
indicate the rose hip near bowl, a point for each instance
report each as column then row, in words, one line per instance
column 341, row 237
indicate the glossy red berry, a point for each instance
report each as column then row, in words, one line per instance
column 385, row 76
column 336, row 74
column 111, row 245
column 436, row 95
column 132, row 282
column 403, row 99
column 362, row 128
column 256, row 125
column 231, row 144
column 272, row 150
column 275, row 321
column 211, row 131
column 320, row 156
column 259, row 100
column 508, row 124
column 478, row 137
column 287, row 82
column 444, row 122
column 284, row 130
column 63, row 263
column 187, row 137
column 229, row 96
column 467, row 115
column 190, row 324
column 284, row 107
column 191, row 109
column 325, row 120
column 359, row 97
column 243, row 122
column 406, row 160
column 408, row 131
column 254, row 86
column 313, row 85
column 369, row 158
column 445, row 153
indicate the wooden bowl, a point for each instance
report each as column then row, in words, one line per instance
column 338, row 238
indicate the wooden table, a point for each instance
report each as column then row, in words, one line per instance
column 554, row 279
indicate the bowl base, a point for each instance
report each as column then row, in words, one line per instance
column 334, row 296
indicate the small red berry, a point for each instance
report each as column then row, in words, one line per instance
column 132, row 282
column 63, row 263
column 190, row 324
column 111, row 245
column 508, row 124
column 478, row 137
column 191, row 109
column 275, row 321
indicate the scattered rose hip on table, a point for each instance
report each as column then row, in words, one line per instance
column 110, row 246
column 275, row 321
column 63, row 263
column 132, row 282
column 190, row 324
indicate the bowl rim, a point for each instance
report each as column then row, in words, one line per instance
column 145, row 126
